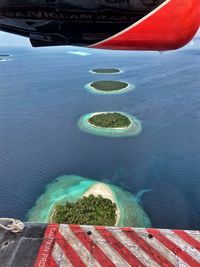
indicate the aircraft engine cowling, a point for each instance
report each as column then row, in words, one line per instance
column 108, row 24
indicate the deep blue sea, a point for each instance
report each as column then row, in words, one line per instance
column 42, row 96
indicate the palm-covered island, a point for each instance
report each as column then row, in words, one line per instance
column 110, row 124
column 109, row 86
column 110, row 120
column 76, row 199
column 106, row 71
column 91, row 210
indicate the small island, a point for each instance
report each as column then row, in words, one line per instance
column 75, row 199
column 4, row 57
column 110, row 120
column 109, row 87
column 111, row 124
column 91, row 210
column 106, row 71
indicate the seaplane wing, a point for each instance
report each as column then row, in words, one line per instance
column 156, row 25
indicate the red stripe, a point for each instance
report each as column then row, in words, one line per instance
column 51, row 262
column 44, row 255
column 135, row 237
column 92, row 247
column 187, row 238
column 70, row 253
column 117, row 245
column 178, row 23
column 173, row 247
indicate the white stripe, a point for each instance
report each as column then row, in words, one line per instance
column 80, row 249
column 134, row 25
column 182, row 244
column 134, row 249
column 106, row 247
column 194, row 234
column 158, row 246
column 59, row 257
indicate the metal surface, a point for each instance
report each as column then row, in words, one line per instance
column 21, row 249
column 158, row 25
column 170, row 26
column 62, row 22
column 73, row 245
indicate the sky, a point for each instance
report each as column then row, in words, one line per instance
column 7, row 39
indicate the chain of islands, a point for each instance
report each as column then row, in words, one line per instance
column 72, row 199
column 109, row 87
column 111, row 124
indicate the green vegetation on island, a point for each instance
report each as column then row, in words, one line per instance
column 108, row 86
column 106, row 71
column 91, row 210
column 110, row 120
